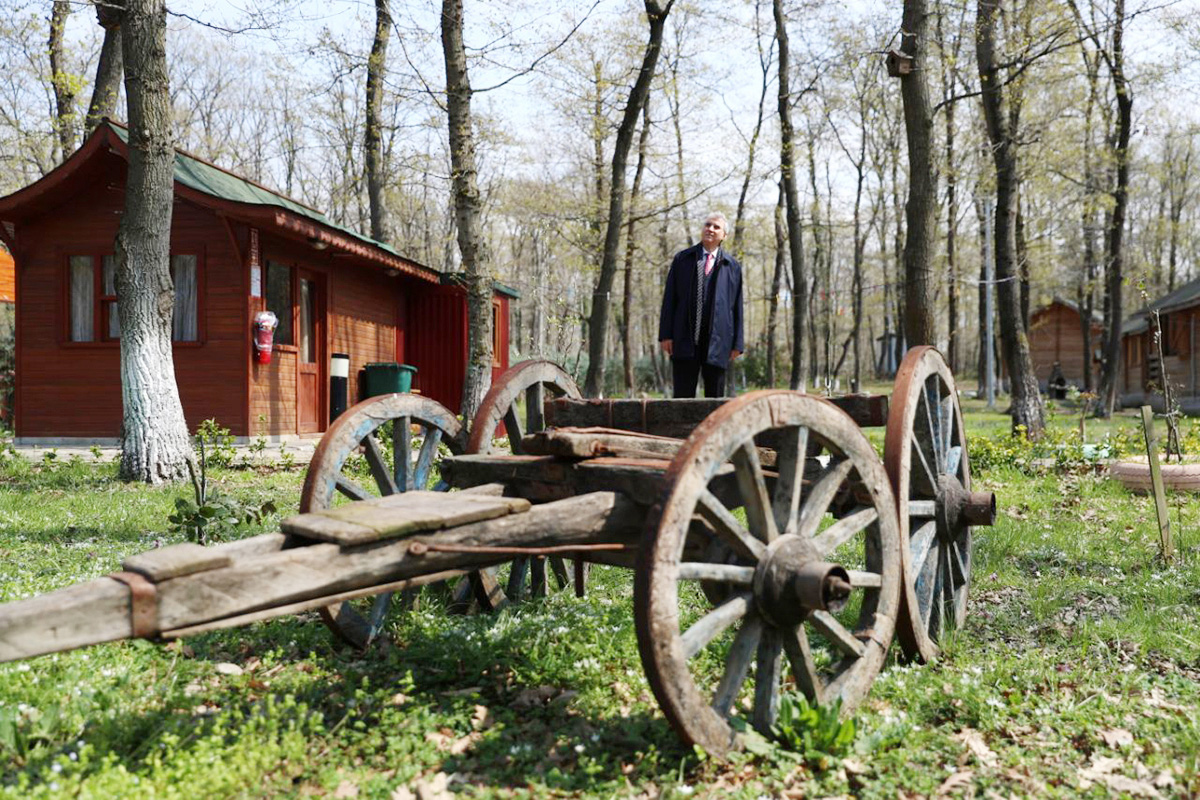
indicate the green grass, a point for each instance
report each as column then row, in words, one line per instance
column 1077, row 673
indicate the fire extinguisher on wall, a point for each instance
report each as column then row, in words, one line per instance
column 265, row 323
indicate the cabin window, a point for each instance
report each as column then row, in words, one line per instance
column 279, row 299
column 93, row 299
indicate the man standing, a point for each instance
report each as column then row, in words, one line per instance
column 700, row 326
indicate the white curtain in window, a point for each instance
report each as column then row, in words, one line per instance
column 110, row 288
column 185, row 325
column 82, row 298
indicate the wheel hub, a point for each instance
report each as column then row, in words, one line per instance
column 958, row 508
column 792, row 581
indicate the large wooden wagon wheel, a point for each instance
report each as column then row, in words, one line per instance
column 792, row 580
column 925, row 454
column 516, row 400
column 419, row 426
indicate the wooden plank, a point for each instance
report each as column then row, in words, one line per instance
column 679, row 417
column 597, row 442
column 87, row 613
column 175, row 560
column 322, row 569
column 399, row 515
column 1160, row 494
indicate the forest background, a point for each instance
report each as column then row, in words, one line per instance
column 275, row 92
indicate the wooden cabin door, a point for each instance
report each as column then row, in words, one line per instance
column 310, row 362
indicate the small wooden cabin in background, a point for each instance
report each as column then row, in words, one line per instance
column 236, row 248
column 1056, row 337
column 1141, row 369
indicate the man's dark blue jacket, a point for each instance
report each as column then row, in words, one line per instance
column 678, row 314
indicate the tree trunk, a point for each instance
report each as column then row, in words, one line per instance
column 1027, row 410
column 787, row 165
column 776, row 281
column 107, row 87
column 949, row 73
column 373, row 142
column 1115, row 277
column 920, row 325
column 467, row 210
column 598, row 320
column 64, row 88
column 764, row 60
column 630, row 250
column 155, row 444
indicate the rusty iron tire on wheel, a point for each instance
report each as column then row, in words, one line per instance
column 824, row 595
column 357, row 623
column 527, row 382
column 925, row 454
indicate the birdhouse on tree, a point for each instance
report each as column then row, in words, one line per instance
column 899, row 63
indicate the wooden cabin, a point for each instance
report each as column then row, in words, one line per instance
column 1142, row 369
column 237, row 248
column 1056, row 337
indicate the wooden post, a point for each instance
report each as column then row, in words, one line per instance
column 1156, row 481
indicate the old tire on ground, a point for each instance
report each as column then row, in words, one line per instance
column 416, row 420
column 925, row 452
column 788, row 562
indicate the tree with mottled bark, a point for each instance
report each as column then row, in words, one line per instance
column 630, row 250
column 106, row 89
column 467, row 210
column 1028, row 412
column 920, row 212
column 656, row 15
column 62, row 81
column 154, row 435
column 373, row 140
column 787, row 166
column 1113, row 54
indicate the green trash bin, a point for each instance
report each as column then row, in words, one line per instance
column 385, row 377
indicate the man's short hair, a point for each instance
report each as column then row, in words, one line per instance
column 720, row 216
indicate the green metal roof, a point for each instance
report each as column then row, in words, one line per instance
column 216, row 182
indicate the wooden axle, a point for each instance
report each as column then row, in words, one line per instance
column 279, row 573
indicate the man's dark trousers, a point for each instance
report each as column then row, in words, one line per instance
column 686, row 372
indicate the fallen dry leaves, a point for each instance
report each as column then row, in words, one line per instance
column 973, row 739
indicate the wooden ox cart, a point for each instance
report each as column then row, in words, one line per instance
column 766, row 534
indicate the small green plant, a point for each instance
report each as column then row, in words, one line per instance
column 50, row 457
column 286, row 459
column 95, row 451
column 218, row 440
column 815, row 732
column 211, row 516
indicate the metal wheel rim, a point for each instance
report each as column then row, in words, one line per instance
column 665, row 649
column 323, row 480
column 933, row 568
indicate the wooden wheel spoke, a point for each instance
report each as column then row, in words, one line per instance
column 837, row 633
column 928, row 589
column 767, row 681
column 724, row 573
column 920, row 544
column 350, row 489
column 933, row 417
column 737, row 664
column 379, row 609
column 789, row 462
column 401, row 450
column 958, row 570
column 861, row 579
column 954, row 460
column 922, row 508
column 727, row 527
column 516, row 577
column 379, row 467
column 513, row 426
column 924, row 479
column 804, row 669
column 823, row 490
column 535, row 397
column 558, row 566
column 947, row 425
column 844, row 530
column 708, row 627
column 753, row 488
column 428, row 452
